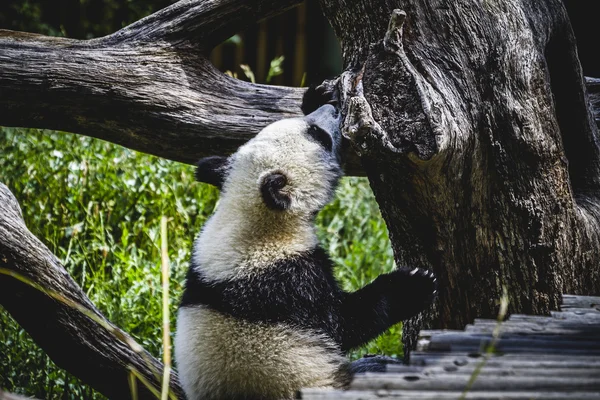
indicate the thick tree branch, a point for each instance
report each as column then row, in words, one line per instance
column 71, row 339
column 149, row 86
column 200, row 24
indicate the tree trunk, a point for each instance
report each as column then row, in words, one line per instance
column 471, row 120
column 479, row 146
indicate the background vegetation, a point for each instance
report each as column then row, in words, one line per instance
column 97, row 206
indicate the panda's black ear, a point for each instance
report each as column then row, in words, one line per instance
column 212, row 170
column 316, row 96
column 271, row 189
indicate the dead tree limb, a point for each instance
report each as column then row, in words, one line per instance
column 149, row 86
column 72, row 340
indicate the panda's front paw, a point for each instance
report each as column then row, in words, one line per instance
column 412, row 290
column 420, row 280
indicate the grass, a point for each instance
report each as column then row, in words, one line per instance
column 98, row 207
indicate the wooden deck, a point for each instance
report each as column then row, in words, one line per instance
column 529, row 357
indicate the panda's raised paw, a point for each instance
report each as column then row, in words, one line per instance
column 416, row 282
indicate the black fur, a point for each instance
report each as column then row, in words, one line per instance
column 212, row 170
column 270, row 189
column 302, row 292
column 318, row 95
column 321, row 137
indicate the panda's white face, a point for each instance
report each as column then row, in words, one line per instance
column 289, row 170
column 272, row 188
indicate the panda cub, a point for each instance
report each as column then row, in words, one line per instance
column 262, row 315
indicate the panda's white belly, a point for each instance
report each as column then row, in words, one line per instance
column 219, row 357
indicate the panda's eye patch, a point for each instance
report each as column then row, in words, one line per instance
column 322, row 137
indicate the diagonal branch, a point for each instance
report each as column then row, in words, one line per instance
column 201, row 23
column 73, row 340
column 149, row 86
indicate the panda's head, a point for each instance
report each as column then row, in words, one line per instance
column 291, row 168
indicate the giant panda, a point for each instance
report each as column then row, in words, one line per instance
column 261, row 315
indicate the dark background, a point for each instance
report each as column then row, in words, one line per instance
column 302, row 35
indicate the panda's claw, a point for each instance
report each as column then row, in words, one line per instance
column 414, row 271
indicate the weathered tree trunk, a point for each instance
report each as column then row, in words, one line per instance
column 471, row 119
column 482, row 154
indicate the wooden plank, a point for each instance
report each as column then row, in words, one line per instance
column 542, row 325
column 495, row 370
column 420, row 382
column 518, row 349
column 571, row 301
column 510, row 343
column 564, row 317
column 537, row 357
column 525, row 360
column 324, row 394
column 525, row 329
column 578, row 311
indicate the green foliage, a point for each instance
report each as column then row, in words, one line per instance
column 98, row 206
column 275, row 68
column 355, row 236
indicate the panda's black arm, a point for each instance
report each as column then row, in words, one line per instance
column 389, row 299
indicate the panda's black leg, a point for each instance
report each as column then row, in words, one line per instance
column 389, row 299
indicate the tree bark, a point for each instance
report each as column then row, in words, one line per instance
column 11, row 396
column 103, row 358
column 473, row 126
column 149, row 86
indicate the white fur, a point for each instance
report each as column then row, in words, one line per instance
column 227, row 356
column 219, row 356
column 244, row 234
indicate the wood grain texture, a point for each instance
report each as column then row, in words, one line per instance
column 149, row 86
column 523, row 364
column 493, row 174
column 71, row 339
column 320, row 394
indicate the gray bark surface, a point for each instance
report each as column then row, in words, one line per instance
column 149, row 86
column 474, row 128
column 482, row 363
column 73, row 341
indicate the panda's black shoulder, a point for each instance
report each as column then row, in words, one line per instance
column 311, row 268
column 304, row 275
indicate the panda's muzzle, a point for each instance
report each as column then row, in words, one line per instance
column 325, row 127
